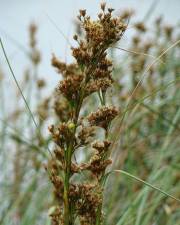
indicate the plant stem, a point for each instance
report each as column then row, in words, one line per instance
column 68, row 217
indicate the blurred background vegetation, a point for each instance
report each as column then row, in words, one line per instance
column 145, row 134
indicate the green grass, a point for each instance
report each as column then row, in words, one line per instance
column 143, row 183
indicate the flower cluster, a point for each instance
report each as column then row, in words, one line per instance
column 91, row 73
column 35, row 54
column 103, row 116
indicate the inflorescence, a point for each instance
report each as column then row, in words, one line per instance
column 81, row 199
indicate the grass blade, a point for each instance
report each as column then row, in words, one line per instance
column 147, row 184
column 17, row 84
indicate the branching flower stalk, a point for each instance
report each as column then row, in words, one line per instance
column 79, row 199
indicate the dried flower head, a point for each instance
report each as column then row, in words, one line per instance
column 103, row 116
column 70, row 86
column 91, row 72
column 140, row 27
column 32, row 32
column 101, row 146
column 35, row 53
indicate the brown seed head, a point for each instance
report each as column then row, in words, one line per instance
column 82, row 12
column 103, row 116
column 103, row 6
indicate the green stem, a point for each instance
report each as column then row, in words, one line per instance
column 68, row 215
column 67, row 206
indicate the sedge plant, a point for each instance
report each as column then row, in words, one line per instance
column 81, row 199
